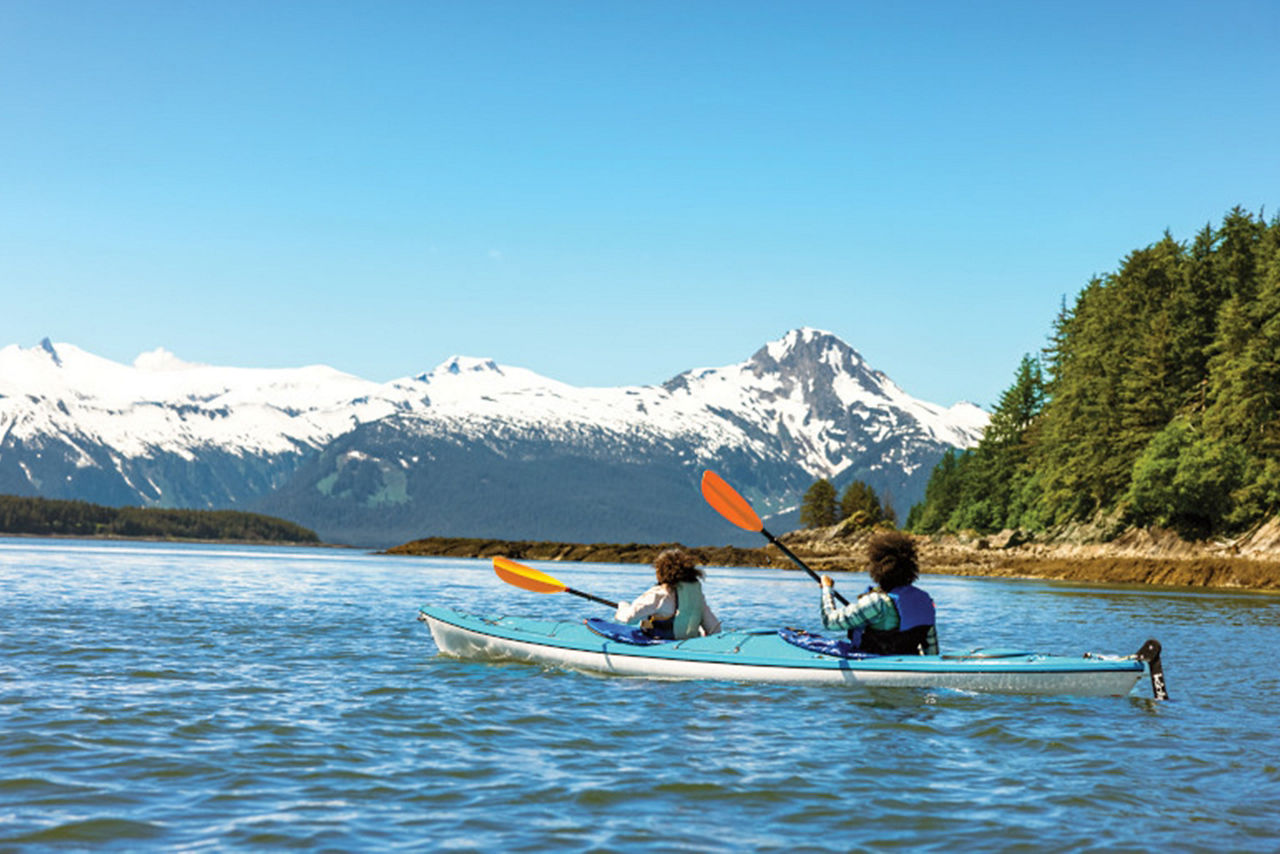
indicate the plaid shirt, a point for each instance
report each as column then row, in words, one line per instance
column 872, row 610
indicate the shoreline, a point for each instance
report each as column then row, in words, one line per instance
column 833, row 551
column 638, row 553
column 1177, row 565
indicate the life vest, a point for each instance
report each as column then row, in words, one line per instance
column 687, row 619
column 915, row 617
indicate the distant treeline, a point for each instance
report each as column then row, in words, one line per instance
column 44, row 516
column 1157, row 401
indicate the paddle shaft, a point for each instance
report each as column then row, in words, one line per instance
column 798, row 562
column 592, row 598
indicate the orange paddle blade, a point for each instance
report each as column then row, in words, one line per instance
column 728, row 503
column 526, row 577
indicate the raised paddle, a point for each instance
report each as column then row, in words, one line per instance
column 528, row 578
column 732, row 506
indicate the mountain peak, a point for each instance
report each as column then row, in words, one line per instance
column 47, row 346
column 464, row 368
column 802, row 336
column 457, row 365
column 805, row 351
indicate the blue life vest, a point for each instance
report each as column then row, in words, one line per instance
column 915, row 607
column 915, row 617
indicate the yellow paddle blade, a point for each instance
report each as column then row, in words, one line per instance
column 526, row 577
column 728, row 503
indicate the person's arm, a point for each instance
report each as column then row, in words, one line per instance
column 862, row 612
column 710, row 622
column 931, row 642
column 654, row 601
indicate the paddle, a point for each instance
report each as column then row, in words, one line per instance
column 528, row 578
column 732, row 506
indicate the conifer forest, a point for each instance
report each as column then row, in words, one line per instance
column 1156, row 401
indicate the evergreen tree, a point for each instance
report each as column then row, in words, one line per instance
column 861, row 498
column 1184, row 481
column 1159, row 400
column 887, row 513
column 1243, row 387
column 1018, row 406
column 988, row 495
column 818, row 509
column 941, row 495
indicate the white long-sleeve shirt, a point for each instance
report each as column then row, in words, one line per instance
column 658, row 602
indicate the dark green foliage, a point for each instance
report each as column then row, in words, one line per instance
column 818, row 509
column 985, row 489
column 43, row 516
column 942, row 495
column 860, row 498
column 887, row 513
column 1160, row 404
column 1184, row 481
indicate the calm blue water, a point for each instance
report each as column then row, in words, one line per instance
column 207, row 698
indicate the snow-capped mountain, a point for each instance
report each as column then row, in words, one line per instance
column 471, row 448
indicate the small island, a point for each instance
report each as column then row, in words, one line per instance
column 55, row 518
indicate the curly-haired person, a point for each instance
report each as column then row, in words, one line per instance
column 893, row 618
column 674, row 607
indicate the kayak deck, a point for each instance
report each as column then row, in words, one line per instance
column 764, row 656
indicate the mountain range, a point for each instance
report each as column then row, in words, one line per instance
column 471, row 448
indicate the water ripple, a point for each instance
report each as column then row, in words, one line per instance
column 222, row 699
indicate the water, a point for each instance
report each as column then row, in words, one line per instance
column 210, row 698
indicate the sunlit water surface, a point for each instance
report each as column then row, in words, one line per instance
column 203, row 697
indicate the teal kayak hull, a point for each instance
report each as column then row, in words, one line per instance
column 763, row 656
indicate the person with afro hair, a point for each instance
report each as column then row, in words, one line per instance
column 894, row 617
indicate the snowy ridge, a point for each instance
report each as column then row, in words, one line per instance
column 167, row 432
column 779, row 385
column 162, row 403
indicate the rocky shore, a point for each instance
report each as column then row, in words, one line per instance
column 1139, row 556
column 586, row 552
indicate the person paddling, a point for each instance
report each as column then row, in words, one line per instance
column 674, row 608
column 893, row 618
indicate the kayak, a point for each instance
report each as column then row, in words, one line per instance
column 774, row 655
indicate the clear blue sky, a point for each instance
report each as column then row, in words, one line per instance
column 609, row 193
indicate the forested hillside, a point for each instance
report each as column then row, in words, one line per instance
column 1156, row 401
column 20, row 515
